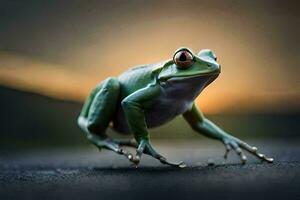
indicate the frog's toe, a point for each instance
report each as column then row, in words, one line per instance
column 231, row 144
column 228, row 148
column 135, row 160
column 180, row 164
column 254, row 151
column 240, row 153
column 125, row 153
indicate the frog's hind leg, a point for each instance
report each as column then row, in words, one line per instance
column 96, row 114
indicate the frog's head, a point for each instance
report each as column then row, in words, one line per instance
column 186, row 64
column 188, row 74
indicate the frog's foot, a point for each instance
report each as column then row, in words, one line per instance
column 237, row 145
column 109, row 144
column 145, row 147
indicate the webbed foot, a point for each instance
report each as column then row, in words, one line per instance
column 146, row 147
column 110, row 144
column 237, row 145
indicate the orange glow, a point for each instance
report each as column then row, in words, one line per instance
column 259, row 65
column 58, row 82
column 43, row 78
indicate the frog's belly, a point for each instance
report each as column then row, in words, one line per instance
column 177, row 96
column 165, row 110
column 161, row 112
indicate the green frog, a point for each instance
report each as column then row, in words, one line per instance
column 148, row 96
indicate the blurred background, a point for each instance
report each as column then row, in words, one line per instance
column 52, row 53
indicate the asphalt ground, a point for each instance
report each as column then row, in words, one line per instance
column 86, row 173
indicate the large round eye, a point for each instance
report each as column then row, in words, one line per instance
column 183, row 59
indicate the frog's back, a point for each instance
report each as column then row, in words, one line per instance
column 135, row 78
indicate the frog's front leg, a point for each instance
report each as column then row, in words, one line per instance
column 134, row 107
column 202, row 125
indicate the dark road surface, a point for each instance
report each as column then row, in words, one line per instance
column 84, row 173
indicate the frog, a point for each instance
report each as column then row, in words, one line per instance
column 150, row 95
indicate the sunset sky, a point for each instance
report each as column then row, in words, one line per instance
column 62, row 49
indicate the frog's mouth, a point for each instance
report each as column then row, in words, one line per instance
column 198, row 82
column 208, row 78
column 164, row 77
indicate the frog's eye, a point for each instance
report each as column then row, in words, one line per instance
column 183, row 59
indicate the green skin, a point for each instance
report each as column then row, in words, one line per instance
column 149, row 96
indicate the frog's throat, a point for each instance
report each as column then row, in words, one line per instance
column 187, row 88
